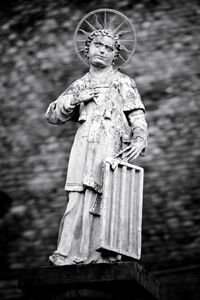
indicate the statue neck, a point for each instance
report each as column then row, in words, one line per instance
column 99, row 72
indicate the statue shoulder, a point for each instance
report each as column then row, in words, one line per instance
column 125, row 79
column 79, row 82
column 76, row 85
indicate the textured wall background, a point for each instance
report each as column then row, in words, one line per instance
column 37, row 63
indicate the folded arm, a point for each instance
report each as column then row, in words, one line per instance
column 61, row 110
column 139, row 136
column 66, row 107
column 135, row 112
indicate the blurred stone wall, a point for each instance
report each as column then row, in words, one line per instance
column 37, row 63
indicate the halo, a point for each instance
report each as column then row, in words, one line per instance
column 112, row 20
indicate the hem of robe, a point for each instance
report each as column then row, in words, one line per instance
column 79, row 233
column 88, row 183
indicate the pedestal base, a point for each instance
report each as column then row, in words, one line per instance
column 124, row 280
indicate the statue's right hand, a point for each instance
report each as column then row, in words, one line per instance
column 85, row 96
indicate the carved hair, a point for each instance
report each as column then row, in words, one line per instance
column 102, row 32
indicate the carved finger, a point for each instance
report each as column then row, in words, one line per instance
column 134, row 155
column 125, row 155
column 122, row 151
column 87, row 96
column 134, row 151
column 65, row 110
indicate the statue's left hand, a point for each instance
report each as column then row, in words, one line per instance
column 133, row 150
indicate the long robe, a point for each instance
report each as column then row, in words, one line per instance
column 105, row 123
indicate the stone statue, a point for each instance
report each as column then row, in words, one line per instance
column 106, row 104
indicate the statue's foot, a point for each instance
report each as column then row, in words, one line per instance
column 56, row 259
column 59, row 260
column 98, row 257
column 78, row 260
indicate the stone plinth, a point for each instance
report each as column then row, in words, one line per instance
column 124, row 280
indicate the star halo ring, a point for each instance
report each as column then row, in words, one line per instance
column 106, row 19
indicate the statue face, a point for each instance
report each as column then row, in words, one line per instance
column 102, row 51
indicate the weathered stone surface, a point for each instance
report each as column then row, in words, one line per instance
column 126, row 280
column 36, row 65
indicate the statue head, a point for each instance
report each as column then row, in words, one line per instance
column 105, row 35
column 102, row 48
